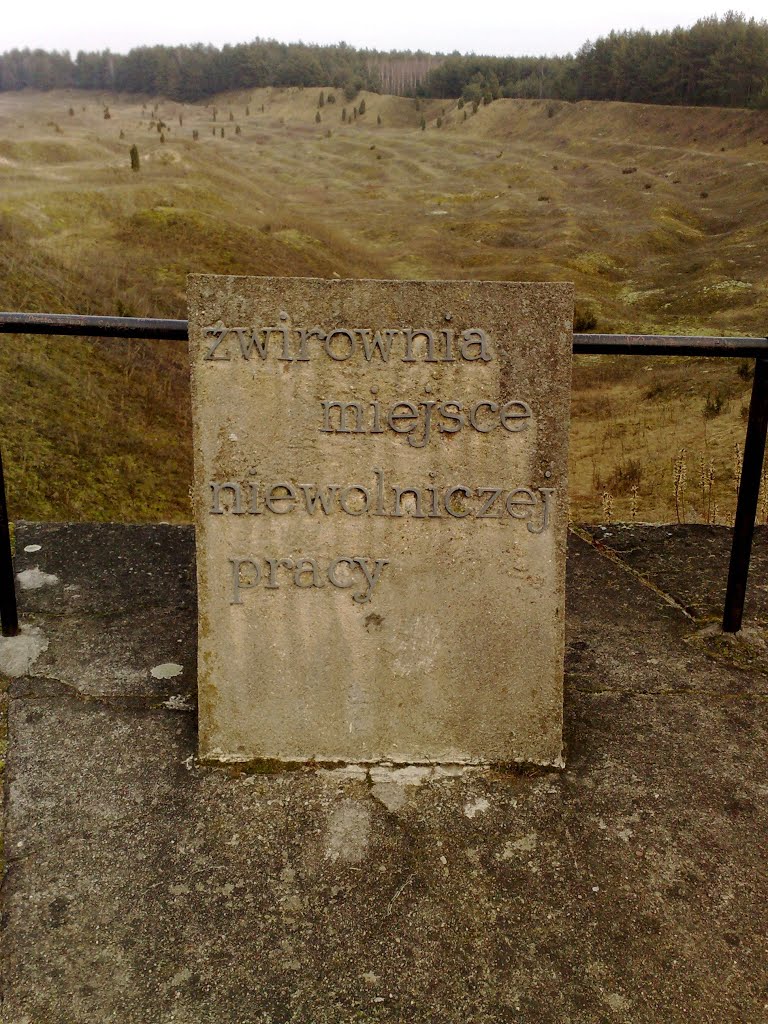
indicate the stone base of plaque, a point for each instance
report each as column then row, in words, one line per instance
column 141, row 886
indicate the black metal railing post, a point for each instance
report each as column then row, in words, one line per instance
column 9, row 616
column 746, row 506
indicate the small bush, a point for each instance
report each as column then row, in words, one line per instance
column 713, row 405
column 134, row 157
column 656, row 390
column 584, row 320
column 625, row 476
column 629, row 170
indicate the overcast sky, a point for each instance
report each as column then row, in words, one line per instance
column 492, row 27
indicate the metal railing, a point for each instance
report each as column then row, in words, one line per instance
column 130, row 328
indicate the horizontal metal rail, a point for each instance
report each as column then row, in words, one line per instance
column 583, row 344
column 668, row 345
column 93, row 326
column 132, row 328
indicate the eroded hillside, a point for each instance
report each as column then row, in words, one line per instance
column 659, row 216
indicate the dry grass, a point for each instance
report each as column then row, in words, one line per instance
column 100, row 430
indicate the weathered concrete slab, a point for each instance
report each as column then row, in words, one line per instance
column 121, row 602
column 690, row 565
column 628, row 887
column 381, row 512
column 696, row 573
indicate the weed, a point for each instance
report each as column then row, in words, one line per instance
column 584, row 320
column 607, row 503
column 626, row 476
column 679, row 475
column 713, row 405
column 655, row 391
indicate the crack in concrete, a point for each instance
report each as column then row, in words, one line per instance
column 613, row 556
column 155, row 702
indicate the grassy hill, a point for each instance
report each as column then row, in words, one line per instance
column 659, row 215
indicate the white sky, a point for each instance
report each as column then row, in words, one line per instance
column 492, row 27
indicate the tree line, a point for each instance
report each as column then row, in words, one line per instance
column 717, row 62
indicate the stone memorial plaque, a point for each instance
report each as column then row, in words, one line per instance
column 381, row 513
